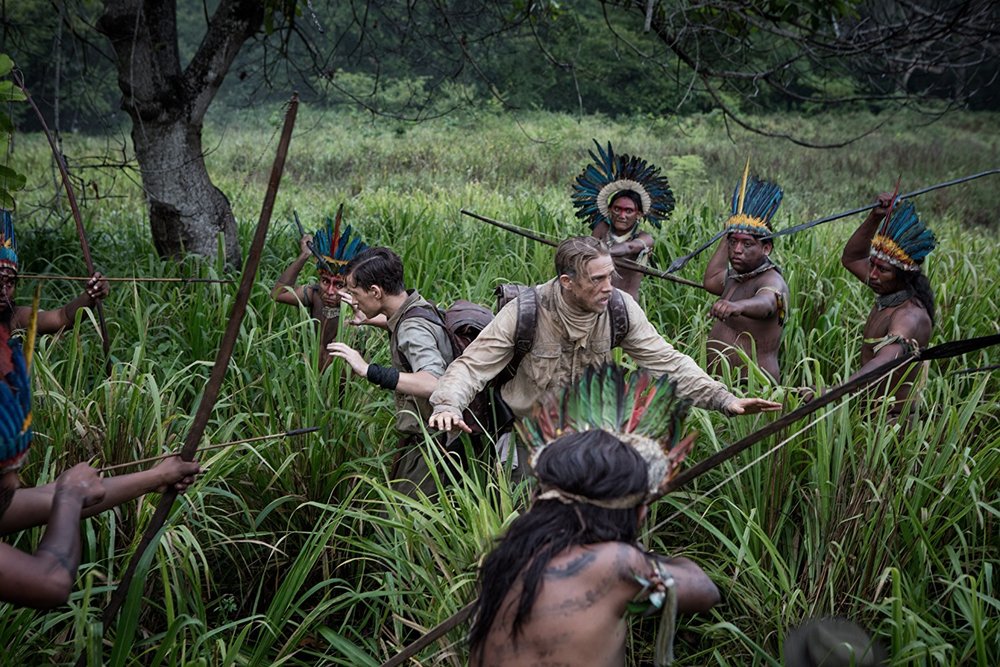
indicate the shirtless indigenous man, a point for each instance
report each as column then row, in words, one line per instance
column 750, row 315
column 557, row 588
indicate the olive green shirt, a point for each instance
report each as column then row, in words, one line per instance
column 416, row 345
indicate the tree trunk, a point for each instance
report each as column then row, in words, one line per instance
column 167, row 106
column 186, row 210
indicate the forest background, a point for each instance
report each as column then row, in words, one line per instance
column 297, row 551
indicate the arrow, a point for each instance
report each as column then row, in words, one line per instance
column 231, row 443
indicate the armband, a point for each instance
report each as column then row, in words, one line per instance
column 384, row 376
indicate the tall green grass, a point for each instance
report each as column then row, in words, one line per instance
column 298, row 551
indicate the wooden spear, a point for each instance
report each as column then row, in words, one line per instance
column 620, row 261
column 115, row 279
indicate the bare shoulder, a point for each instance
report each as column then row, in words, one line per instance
column 910, row 320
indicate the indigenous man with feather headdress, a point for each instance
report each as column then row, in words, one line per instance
column 886, row 253
column 559, row 584
column 49, row 321
column 45, row 578
column 750, row 315
column 614, row 195
column 332, row 252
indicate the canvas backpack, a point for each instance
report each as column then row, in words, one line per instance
column 465, row 320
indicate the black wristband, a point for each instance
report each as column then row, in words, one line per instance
column 384, row 376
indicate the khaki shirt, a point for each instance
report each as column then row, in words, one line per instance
column 416, row 345
column 553, row 361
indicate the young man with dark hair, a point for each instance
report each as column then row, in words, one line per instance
column 886, row 252
column 420, row 349
column 557, row 587
column 750, row 315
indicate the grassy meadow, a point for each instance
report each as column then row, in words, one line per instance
column 297, row 551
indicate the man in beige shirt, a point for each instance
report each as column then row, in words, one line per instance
column 573, row 331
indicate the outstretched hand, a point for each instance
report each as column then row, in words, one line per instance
column 750, row 406
column 448, row 421
column 350, row 355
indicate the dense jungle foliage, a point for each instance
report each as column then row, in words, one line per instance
column 297, row 552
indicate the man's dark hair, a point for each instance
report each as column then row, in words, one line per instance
column 594, row 464
column 377, row 266
column 631, row 194
column 921, row 286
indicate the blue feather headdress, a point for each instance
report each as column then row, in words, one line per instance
column 611, row 174
column 15, row 394
column 336, row 249
column 753, row 205
column 8, row 242
column 644, row 413
column 903, row 240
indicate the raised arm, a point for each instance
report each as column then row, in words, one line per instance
column 856, row 252
column 290, row 276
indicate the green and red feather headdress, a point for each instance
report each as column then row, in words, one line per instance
column 644, row 413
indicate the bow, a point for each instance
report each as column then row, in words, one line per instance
column 219, row 368
column 80, row 231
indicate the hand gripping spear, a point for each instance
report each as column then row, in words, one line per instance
column 211, row 392
column 620, row 261
column 680, row 262
column 80, row 231
column 943, row 351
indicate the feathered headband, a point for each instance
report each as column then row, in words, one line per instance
column 336, row 250
column 8, row 242
column 753, row 205
column 902, row 239
column 610, row 174
column 644, row 413
column 15, row 395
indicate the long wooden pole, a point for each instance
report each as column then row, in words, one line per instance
column 206, row 448
column 211, row 393
column 77, row 217
column 680, row 262
column 620, row 261
column 123, row 279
